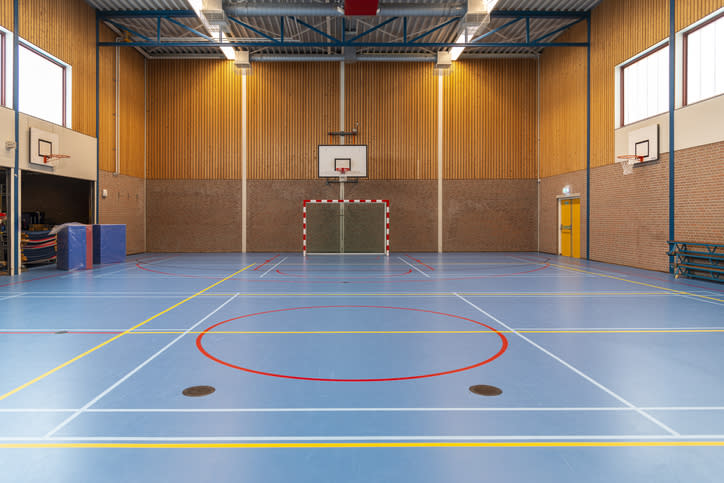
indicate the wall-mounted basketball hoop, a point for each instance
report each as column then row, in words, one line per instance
column 628, row 161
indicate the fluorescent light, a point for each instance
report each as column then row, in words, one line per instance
column 213, row 30
column 197, row 5
column 229, row 52
column 456, row 51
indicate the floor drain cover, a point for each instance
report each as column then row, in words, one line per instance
column 196, row 391
column 62, row 332
column 483, row 390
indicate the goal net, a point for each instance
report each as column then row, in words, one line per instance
column 346, row 226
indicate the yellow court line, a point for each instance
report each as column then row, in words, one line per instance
column 102, row 344
column 678, row 292
column 427, row 294
column 543, row 331
column 473, row 444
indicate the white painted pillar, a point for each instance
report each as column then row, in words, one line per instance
column 243, row 162
column 439, row 163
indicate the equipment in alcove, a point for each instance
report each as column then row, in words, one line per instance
column 38, row 247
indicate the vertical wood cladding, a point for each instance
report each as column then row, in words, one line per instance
column 291, row 107
column 620, row 29
column 396, row 107
column 563, row 106
column 490, row 119
column 6, row 14
column 194, row 120
column 131, row 98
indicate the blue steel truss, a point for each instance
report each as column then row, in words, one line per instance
column 156, row 39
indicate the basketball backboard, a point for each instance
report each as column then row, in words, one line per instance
column 349, row 158
column 644, row 142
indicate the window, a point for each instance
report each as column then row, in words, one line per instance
column 645, row 86
column 704, row 61
column 42, row 85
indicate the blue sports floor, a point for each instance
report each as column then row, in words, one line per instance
column 358, row 369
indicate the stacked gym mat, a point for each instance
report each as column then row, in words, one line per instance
column 38, row 247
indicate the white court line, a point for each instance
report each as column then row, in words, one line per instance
column 272, row 268
column 138, row 368
column 11, row 296
column 586, row 377
column 123, row 269
column 662, row 330
column 406, row 263
column 698, row 299
column 554, row 437
column 364, row 410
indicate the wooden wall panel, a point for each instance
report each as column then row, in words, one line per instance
column 620, row 29
column 132, row 90
column 291, row 108
column 396, row 107
column 194, row 120
column 6, row 14
column 563, row 106
column 490, row 119
column 107, row 98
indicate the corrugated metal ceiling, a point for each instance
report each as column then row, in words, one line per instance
column 296, row 32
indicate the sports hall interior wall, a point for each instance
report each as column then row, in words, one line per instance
column 629, row 214
column 66, row 30
column 195, row 134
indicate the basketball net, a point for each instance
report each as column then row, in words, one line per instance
column 342, row 174
column 628, row 161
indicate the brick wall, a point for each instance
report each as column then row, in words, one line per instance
column 489, row 215
column 205, row 215
column 629, row 215
column 700, row 194
column 125, row 204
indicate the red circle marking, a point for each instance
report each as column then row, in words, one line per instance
column 503, row 347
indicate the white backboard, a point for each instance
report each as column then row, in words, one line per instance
column 42, row 142
column 331, row 156
column 644, row 142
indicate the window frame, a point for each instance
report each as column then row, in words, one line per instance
column 685, row 59
column 64, row 68
column 622, row 85
column 3, row 69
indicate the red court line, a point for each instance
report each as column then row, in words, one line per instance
column 58, row 332
column 503, row 348
column 380, row 280
column 265, row 262
column 418, row 261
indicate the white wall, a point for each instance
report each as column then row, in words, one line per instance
column 81, row 148
column 7, row 133
column 695, row 125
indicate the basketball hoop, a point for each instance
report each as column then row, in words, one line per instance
column 342, row 173
column 47, row 157
column 628, row 161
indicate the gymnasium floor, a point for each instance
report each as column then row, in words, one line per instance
column 358, row 369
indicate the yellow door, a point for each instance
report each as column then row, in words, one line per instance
column 566, row 226
column 571, row 228
column 576, row 228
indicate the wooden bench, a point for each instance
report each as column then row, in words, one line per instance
column 697, row 260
